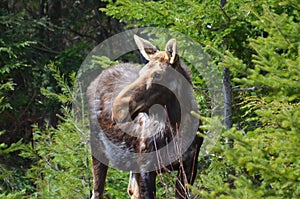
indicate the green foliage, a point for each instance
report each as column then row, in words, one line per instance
column 11, row 178
column 116, row 184
column 203, row 21
column 61, row 157
column 65, row 95
column 103, row 62
column 21, row 194
column 264, row 162
column 32, row 36
column 62, row 167
column 12, row 50
column 42, row 43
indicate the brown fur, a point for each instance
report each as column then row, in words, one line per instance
column 120, row 99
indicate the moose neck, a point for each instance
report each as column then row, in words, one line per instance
column 173, row 112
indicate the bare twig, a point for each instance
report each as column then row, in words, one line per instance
column 237, row 88
column 47, row 50
column 234, row 89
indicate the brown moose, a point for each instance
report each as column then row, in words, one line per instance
column 136, row 111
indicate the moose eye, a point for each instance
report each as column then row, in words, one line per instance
column 156, row 75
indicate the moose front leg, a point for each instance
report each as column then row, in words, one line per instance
column 142, row 185
column 181, row 191
column 149, row 186
column 188, row 169
column 186, row 175
column 99, row 176
column 133, row 189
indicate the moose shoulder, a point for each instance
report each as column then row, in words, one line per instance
column 140, row 122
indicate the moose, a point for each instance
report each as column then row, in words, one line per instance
column 141, row 122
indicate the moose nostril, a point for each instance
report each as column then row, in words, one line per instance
column 119, row 115
column 130, row 192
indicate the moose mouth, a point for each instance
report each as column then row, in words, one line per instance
column 141, row 108
column 155, row 112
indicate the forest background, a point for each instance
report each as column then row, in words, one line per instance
column 255, row 44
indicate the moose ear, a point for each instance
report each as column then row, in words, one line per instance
column 146, row 48
column 172, row 48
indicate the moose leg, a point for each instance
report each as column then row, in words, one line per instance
column 133, row 189
column 142, row 185
column 188, row 169
column 181, row 190
column 99, row 175
column 186, row 175
column 148, row 185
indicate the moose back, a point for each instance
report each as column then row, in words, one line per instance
column 140, row 122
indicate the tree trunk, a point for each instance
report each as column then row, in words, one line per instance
column 227, row 91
